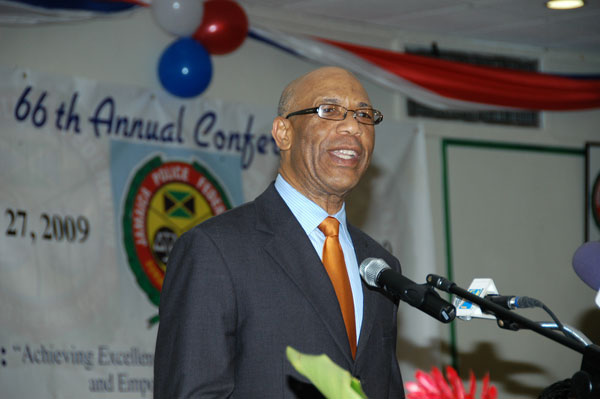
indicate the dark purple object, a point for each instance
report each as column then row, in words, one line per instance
column 586, row 262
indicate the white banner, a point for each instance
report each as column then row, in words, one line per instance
column 98, row 180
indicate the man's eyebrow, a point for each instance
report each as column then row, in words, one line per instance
column 336, row 101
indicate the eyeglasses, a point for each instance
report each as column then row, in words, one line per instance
column 334, row 112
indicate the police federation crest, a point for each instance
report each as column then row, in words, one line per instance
column 165, row 199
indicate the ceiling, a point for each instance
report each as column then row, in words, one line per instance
column 515, row 22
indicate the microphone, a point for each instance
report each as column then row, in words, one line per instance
column 511, row 302
column 586, row 263
column 377, row 273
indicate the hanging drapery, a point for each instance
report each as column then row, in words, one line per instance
column 441, row 83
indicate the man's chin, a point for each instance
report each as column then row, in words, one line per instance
column 342, row 187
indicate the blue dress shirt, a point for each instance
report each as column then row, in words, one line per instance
column 310, row 216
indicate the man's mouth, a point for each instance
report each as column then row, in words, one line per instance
column 345, row 154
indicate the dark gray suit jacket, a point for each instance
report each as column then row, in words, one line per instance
column 242, row 286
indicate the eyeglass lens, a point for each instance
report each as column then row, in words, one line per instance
column 337, row 112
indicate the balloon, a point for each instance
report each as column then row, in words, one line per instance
column 224, row 26
column 185, row 68
column 179, row 17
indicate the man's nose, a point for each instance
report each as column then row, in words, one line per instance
column 350, row 125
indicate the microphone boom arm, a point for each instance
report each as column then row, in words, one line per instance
column 503, row 315
column 586, row 381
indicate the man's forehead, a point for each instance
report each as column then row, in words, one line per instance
column 332, row 85
column 334, row 89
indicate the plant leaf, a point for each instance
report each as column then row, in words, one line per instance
column 329, row 378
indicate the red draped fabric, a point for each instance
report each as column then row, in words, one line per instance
column 482, row 84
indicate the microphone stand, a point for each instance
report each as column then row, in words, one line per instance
column 573, row 332
column 586, row 382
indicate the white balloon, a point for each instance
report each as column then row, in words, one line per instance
column 179, row 17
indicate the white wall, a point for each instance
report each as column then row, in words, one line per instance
column 126, row 49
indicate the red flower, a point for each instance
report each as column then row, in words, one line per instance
column 434, row 386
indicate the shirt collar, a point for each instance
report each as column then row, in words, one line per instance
column 308, row 214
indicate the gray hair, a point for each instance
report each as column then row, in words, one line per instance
column 285, row 100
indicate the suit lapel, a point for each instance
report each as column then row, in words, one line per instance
column 291, row 249
column 370, row 309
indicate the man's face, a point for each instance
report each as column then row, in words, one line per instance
column 328, row 158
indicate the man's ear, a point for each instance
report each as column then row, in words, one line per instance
column 282, row 133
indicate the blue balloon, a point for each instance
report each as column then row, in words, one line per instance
column 185, row 68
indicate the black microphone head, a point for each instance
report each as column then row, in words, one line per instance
column 371, row 268
column 586, row 262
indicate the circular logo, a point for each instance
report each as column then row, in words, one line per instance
column 595, row 201
column 165, row 199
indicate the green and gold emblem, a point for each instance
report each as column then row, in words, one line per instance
column 165, row 199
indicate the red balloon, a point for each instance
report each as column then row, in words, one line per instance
column 224, row 26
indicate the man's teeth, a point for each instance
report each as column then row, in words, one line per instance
column 345, row 154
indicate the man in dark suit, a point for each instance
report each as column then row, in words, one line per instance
column 242, row 286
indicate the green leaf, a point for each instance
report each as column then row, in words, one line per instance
column 333, row 381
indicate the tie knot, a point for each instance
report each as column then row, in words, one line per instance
column 330, row 226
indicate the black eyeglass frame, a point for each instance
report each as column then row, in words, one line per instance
column 377, row 115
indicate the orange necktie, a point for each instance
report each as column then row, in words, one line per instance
column 333, row 259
